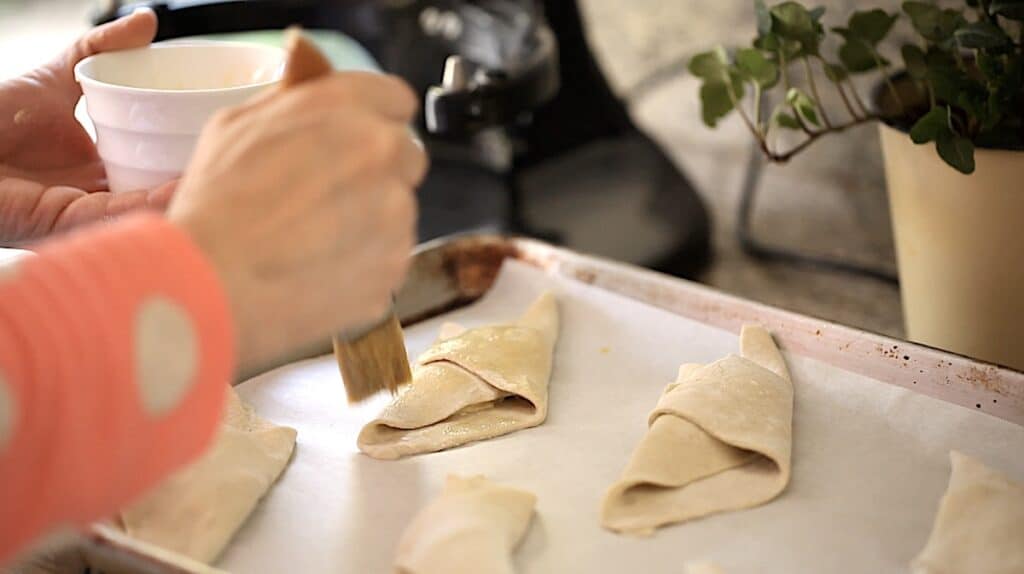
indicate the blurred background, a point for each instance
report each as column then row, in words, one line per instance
column 618, row 163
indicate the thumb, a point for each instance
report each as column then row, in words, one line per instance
column 133, row 31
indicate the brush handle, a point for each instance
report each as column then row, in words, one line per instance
column 356, row 333
column 305, row 62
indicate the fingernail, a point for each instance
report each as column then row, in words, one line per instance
column 142, row 10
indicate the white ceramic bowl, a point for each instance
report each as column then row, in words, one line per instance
column 149, row 105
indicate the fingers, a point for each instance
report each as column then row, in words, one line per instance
column 395, row 150
column 29, row 210
column 87, row 176
column 103, row 205
column 387, row 95
column 371, row 144
column 348, row 145
column 380, row 94
column 413, row 160
column 160, row 197
column 133, row 31
column 399, row 209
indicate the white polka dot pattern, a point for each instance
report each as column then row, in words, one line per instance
column 166, row 354
column 6, row 412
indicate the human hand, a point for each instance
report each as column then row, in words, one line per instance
column 50, row 172
column 303, row 200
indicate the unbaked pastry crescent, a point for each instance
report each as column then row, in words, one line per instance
column 719, row 439
column 471, row 385
column 197, row 510
column 472, row 528
column 980, row 524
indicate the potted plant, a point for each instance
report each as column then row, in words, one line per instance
column 952, row 132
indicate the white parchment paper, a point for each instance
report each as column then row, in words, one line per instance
column 870, row 459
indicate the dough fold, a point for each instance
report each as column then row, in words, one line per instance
column 472, row 528
column 720, row 439
column 196, row 511
column 979, row 527
column 471, row 385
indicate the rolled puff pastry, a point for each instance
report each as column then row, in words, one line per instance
column 719, row 439
column 472, row 528
column 197, row 510
column 979, row 528
column 471, row 385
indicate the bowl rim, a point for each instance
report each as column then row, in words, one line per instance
column 83, row 78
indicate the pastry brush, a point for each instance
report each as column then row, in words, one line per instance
column 371, row 358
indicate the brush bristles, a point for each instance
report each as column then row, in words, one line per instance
column 373, row 362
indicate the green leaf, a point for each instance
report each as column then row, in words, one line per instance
column 752, row 65
column 712, row 65
column 716, row 102
column 1009, row 9
column 914, row 61
column 792, row 21
column 858, row 57
column 863, row 32
column 945, row 77
column 784, row 120
column 764, row 18
column 975, row 103
column 835, row 72
column 934, row 24
column 773, row 43
column 804, row 105
column 930, row 125
column 957, row 151
column 923, row 16
column 871, row 26
column 990, row 65
column 982, row 35
column 993, row 112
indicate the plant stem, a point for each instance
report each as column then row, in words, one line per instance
column 784, row 68
column 814, row 91
column 856, row 98
column 956, row 53
column 838, row 85
column 959, row 125
column 888, row 80
column 737, row 104
column 846, row 100
column 787, row 155
column 757, row 109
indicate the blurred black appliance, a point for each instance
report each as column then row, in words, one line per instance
column 525, row 133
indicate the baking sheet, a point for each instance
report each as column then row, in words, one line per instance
column 870, row 459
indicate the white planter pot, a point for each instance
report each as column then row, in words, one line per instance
column 960, row 248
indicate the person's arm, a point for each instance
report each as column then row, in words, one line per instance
column 116, row 344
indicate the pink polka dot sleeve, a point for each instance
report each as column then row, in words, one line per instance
column 115, row 347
